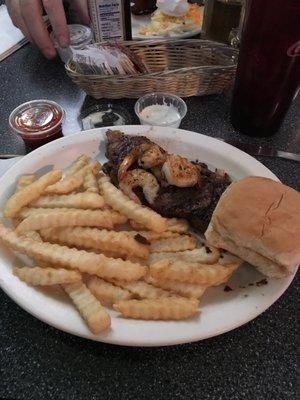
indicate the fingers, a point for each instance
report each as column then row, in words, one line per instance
column 81, row 8
column 31, row 11
column 57, row 17
column 14, row 10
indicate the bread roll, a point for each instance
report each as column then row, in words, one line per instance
column 258, row 220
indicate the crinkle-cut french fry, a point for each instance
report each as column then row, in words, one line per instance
column 78, row 164
column 184, row 289
column 33, row 235
column 73, row 182
column 171, row 308
column 204, row 255
column 117, row 242
column 37, row 237
column 107, row 293
column 15, row 222
column 29, row 211
column 71, row 217
column 90, row 183
column 202, row 274
column 38, row 276
column 65, row 186
column 91, row 263
column 24, row 181
column 88, row 306
column 85, row 200
column 118, row 201
column 175, row 225
column 30, row 193
column 150, row 235
column 136, row 225
column 180, row 243
column 232, row 263
column 143, row 290
column 93, row 166
column 178, row 225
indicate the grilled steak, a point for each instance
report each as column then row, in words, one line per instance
column 195, row 203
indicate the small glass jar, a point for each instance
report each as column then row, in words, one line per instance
column 37, row 122
column 80, row 36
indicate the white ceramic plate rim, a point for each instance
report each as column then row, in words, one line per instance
column 167, row 135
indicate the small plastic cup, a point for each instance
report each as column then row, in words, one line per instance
column 80, row 36
column 160, row 109
column 37, row 121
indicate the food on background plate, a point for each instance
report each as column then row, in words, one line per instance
column 96, row 266
column 186, row 189
column 259, row 220
column 173, row 17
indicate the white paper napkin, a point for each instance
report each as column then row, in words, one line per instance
column 11, row 37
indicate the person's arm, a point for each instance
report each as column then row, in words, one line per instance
column 27, row 16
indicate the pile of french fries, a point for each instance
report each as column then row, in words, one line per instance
column 103, row 249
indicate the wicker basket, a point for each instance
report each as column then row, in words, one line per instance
column 186, row 67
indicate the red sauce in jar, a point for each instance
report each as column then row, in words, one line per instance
column 38, row 121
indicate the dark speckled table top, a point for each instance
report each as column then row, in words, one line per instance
column 258, row 361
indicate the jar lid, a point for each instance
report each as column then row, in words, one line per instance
column 80, row 35
column 37, row 117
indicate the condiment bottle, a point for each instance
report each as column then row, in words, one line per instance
column 111, row 20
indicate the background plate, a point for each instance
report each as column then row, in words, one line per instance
column 139, row 21
column 220, row 311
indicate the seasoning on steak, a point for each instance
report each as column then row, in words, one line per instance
column 118, row 147
column 195, row 203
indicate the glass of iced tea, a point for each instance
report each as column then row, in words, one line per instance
column 268, row 72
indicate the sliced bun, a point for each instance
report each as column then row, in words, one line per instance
column 258, row 220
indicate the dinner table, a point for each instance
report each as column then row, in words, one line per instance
column 257, row 361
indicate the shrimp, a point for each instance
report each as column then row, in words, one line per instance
column 139, row 178
column 148, row 155
column 180, row 172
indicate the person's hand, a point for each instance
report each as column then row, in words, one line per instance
column 27, row 16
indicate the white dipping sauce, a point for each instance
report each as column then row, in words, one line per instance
column 160, row 114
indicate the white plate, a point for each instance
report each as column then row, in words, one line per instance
column 140, row 21
column 220, row 311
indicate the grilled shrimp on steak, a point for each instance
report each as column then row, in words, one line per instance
column 195, row 203
column 139, row 178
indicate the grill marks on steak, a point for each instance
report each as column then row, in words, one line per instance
column 173, row 201
column 194, row 203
